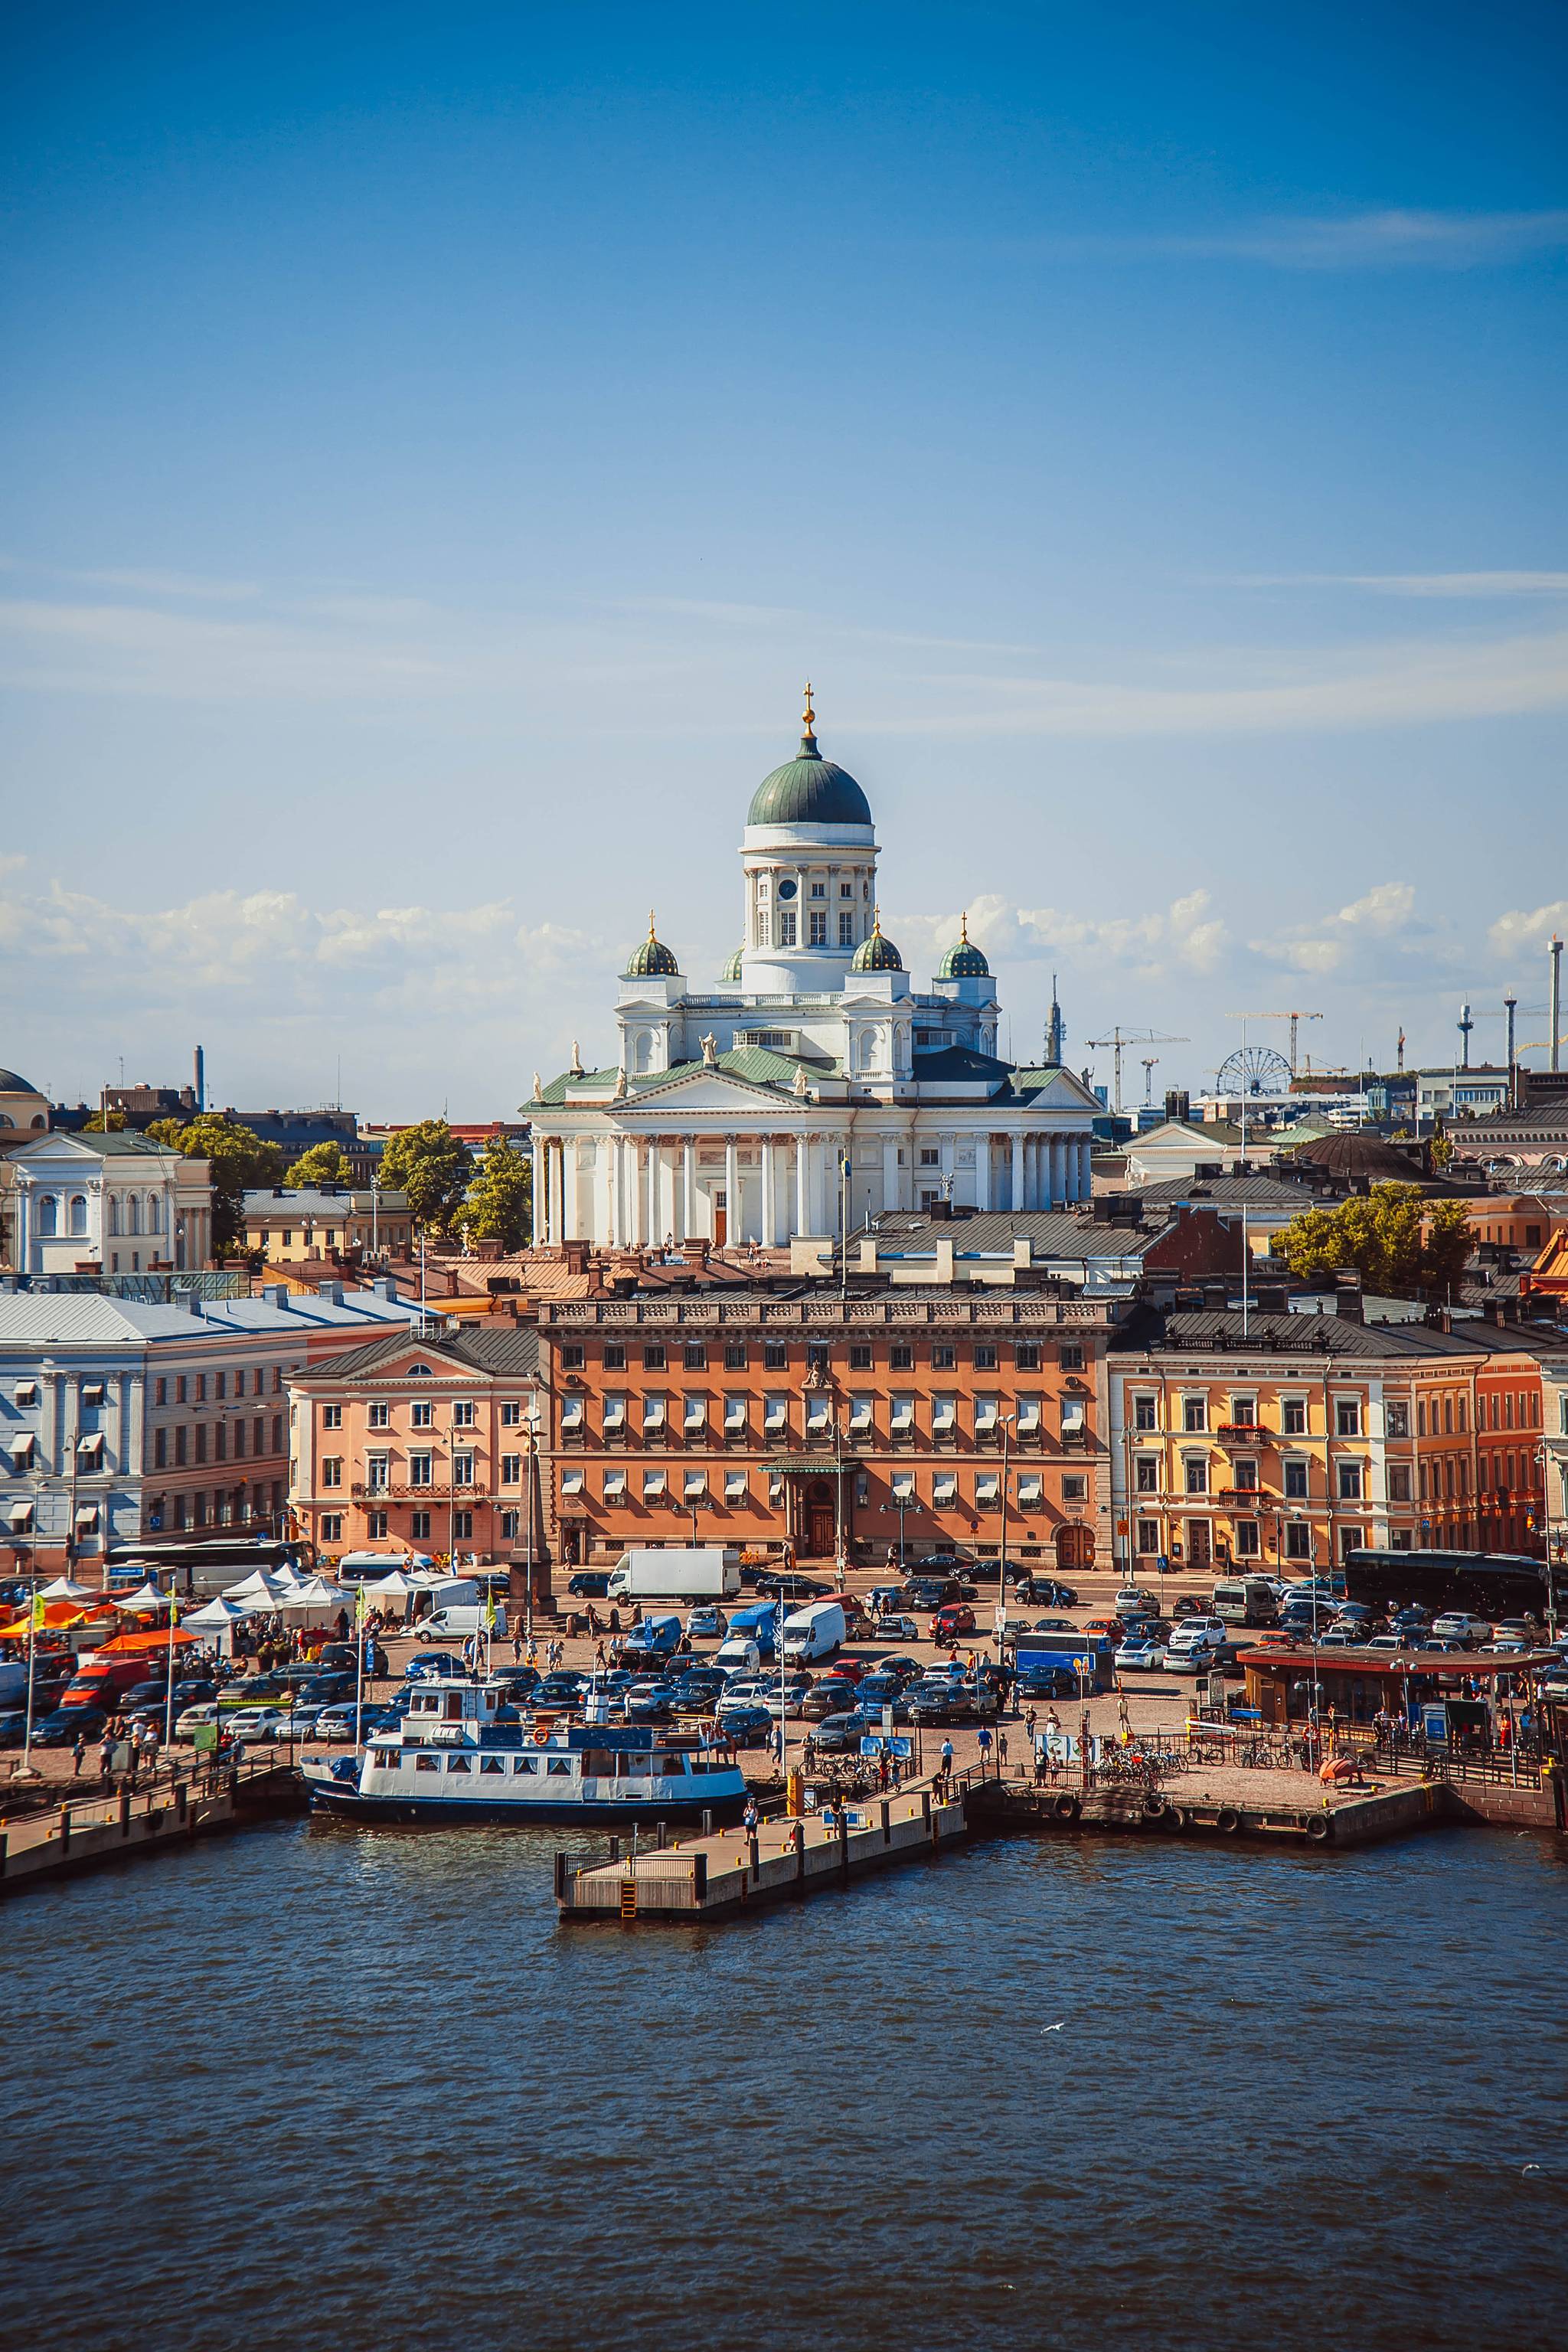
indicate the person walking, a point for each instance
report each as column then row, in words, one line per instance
column 1000, row 1753
column 78, row 1752
column 106, row 1755
column 946, row 1764
column 982, row 1741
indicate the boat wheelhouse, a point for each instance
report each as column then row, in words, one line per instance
column 462, row 1752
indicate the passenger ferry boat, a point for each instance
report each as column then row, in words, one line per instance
column 461, row 1754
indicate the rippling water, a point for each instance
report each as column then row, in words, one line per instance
column 314, row 2087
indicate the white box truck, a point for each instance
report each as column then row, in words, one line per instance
column 680, row 1572
column 815, row 1632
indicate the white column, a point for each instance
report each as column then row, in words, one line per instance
column 654, row 1191
column 803, row 1223
column 983, row 1171
column 689, row 1218
column 948, row 1167
column 890, row 1194
column 1085, row 1172
column 536, row 1157
column 731, row 1192
column 1017, row 1200
column 765, row 1225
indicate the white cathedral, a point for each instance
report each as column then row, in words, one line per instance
column 814, row 1087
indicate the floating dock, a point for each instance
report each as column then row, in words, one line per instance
column 730, row 1871
column 40, row 1847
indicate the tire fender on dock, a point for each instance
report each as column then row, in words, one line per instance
column 1066, row 1809
column 1317, row 1828
column 1228, row 1819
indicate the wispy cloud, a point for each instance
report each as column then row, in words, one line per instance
column 1362, row 939
column 1480, row 587
column 1397, row 237
column 1519, row 931
column 1183, row 936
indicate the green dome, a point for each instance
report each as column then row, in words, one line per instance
column 808, row 789
column 963, row 959
column 877, row 954
column 731, row 970
column 652, row 959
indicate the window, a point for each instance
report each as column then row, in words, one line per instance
column 571, row 1356
column 1147, row 1471
column 1028, row 1417
column 420, row 1523
column 1421, row 1417
column 1027, row 1355
column 735, row 1355
column 463, row 1414
column 511, row 1416
column 1294, row 1417
column 378, row 1471
column 376, row 1526
column 614, row 1416
column 654, row 1357
column 653, row 1411
column 332, row 1527
column 1447, row 1418
column 787, row 926
column 1462, row 1417
column 1246, row 1477
column 1347, row 1417
column 1148, row 1535
column 180, row 1448
column 1073, row 1490
column 694, row 1486
column 332, row 1470
column 510, row 1526
column 859, row 1357
column 985, row 1357
column 1349, row 1482
column 818, row 929
column 1397, row 1415
column 818, row 1416
column 1195, row 1414
column 694, row 1416
column 819, row 889
column 903, row 1417
column 1296, row 1481
column 463, row 1525
column 462, row 1469
column 277, row 1432
column 201, row 1442
column 1298, row 1541
column 775, row 1416
column 860, row 1411
column 615, row 1355
column 695, row 1356
column 1070, row 1356
column 987, row 1491
column 846, row 930
column 332, row 1416
column 735, row 1487
column 1197, row 1474
column 1031, row 1490
column 420, row 1469
column 511, row 1469
column 943, row 1358
column 1247, row 1544
column 652, row 1486
column 945, row 1490
column 735, row 1416
column 775, row 1356
column 380, row 1416
column 1073, row 1412
column 901, row 1357
column 160, row 1450
column 1144, row 1413
column 571, row 1416
column 944, row 1417
column 1244, row 1412
column 1399, row 1482
column 987, row 1414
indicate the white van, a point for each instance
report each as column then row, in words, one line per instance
column 456, row 1622
column 815, row 1632
column 737, row 1655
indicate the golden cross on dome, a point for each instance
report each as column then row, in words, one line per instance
column 808, row 717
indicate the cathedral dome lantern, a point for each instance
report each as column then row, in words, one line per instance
column 652, row 959
column 809, row 790
column 876, row 953
column 963, row 959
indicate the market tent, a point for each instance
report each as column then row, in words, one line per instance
column 64, row 1589
column 396, row 1587
column 147, row 1596
column 144, row 1644
column 57, row 1616
column 317, row 1594
column 217, row 1614
column 262, row 1589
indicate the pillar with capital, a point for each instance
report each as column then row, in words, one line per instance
column 731, row 1192
column 1016, row 1201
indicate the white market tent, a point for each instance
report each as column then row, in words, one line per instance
column 148, row 1597
column 396, row 1587
column 216, row 1616
column 262, row 1589
column 63, row 1588
column 316, row 1594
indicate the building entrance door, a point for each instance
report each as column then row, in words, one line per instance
column 1200, row 1549
column 1074, row 1546
column 819, row 1527
column 720, row 1220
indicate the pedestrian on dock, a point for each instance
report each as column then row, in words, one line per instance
column 78, row 1752
column 1000, row 1753
column 946, row 1764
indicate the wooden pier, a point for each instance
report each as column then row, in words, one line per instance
column 46, row 1844
column 730, row 1871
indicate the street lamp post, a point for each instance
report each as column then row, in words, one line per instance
column 1007, row 1419
column 532, row 1487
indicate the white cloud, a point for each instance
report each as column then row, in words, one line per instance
column 1476, row 586
column 1393, row 237
column 1388, row 907
column 1184, row 935
column 1517, row 931
column 1376, row 932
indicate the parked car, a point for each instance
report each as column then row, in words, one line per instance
column 299, row 1722
column 186, row 1721
column 952, row 1622
column 59, row 1729
column 746, row 1727
column 1140, row 1655
column 898, row 1628
column 14, row 1726
column 831, row 1696
column 792, row 1697
column 432, row 1662
column 1459, row 1626
column 707, row 1623
column 590, row 1584
column 1189, row 1604
column 1046, row 1682
column 563, row 1688
column 1134, row 1601
column 250, row 1725
column 334, row 1726
column 838, row 1734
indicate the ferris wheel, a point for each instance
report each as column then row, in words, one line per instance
column 1254, row 1070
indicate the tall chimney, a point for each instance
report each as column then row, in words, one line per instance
column 1555, row 1031
column 1510, row 1006
column 200, row 1078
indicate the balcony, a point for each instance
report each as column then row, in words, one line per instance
column 1242, row 1433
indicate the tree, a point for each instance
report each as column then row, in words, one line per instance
column 499, row 1205
column 239, row 1160
column 1442, row 1143
column 323, row 1164
column 432, row 1167
column 1397, row 1244
column 96, row 1126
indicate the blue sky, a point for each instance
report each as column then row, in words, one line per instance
column 440, row 445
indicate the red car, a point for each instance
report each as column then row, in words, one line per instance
column 948, row 1624
column 850, row 1669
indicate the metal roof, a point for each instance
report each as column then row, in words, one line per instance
column 513, row 1348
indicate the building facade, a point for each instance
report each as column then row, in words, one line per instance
column 120, row 1420
column 815, row 1086
column 427, row 1442
column 116, row 1203
column 882, row 1424
column 328, row 1221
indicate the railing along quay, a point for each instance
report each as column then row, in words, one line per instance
column 73, row 1833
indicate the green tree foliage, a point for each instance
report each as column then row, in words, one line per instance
column 1399, row 1243
column 240, row 1162
column 429, row 1164
column 323, row 1164
column 1442, row 1143
column 499, row 1205
column 94, row 1125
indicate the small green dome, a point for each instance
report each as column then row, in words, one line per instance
column 808, row 789
column 877, row 954
column 731, row 970
column 963, row 959
column 652, row 959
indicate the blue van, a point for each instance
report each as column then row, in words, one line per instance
column 656, row 1637
column 1089, row 1659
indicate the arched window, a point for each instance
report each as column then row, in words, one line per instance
column 48, row 1216
column 78, row 1213
column 155, row 1213
column 132, row 1214
column 114, row 1212
column 5, row 1121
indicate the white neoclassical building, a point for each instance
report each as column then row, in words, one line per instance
column 814, row 1084
column 119, row 1204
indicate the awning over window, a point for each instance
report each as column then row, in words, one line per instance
column 811, row 1465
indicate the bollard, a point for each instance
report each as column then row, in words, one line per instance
column 561, row 1878
column 125, row 1812
column 659, row 1837
column 797, row 1833
column 699, row 1877
column 754, row 1854
column 887, row 1823
column 65, row 1831
column 5, row 1851
column 615, row 1849
column 706, row 1821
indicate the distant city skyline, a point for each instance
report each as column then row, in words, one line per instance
column 441, row 452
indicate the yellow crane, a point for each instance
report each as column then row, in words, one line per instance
column 1119, row 1038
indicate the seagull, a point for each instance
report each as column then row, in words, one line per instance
column 1053, row 2028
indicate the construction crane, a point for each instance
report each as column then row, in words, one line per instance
column 1292, row 1017
column 1150, row 1064
column 1121, row 1037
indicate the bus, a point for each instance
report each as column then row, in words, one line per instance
column 1489, row 1585
column 197, row 1568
